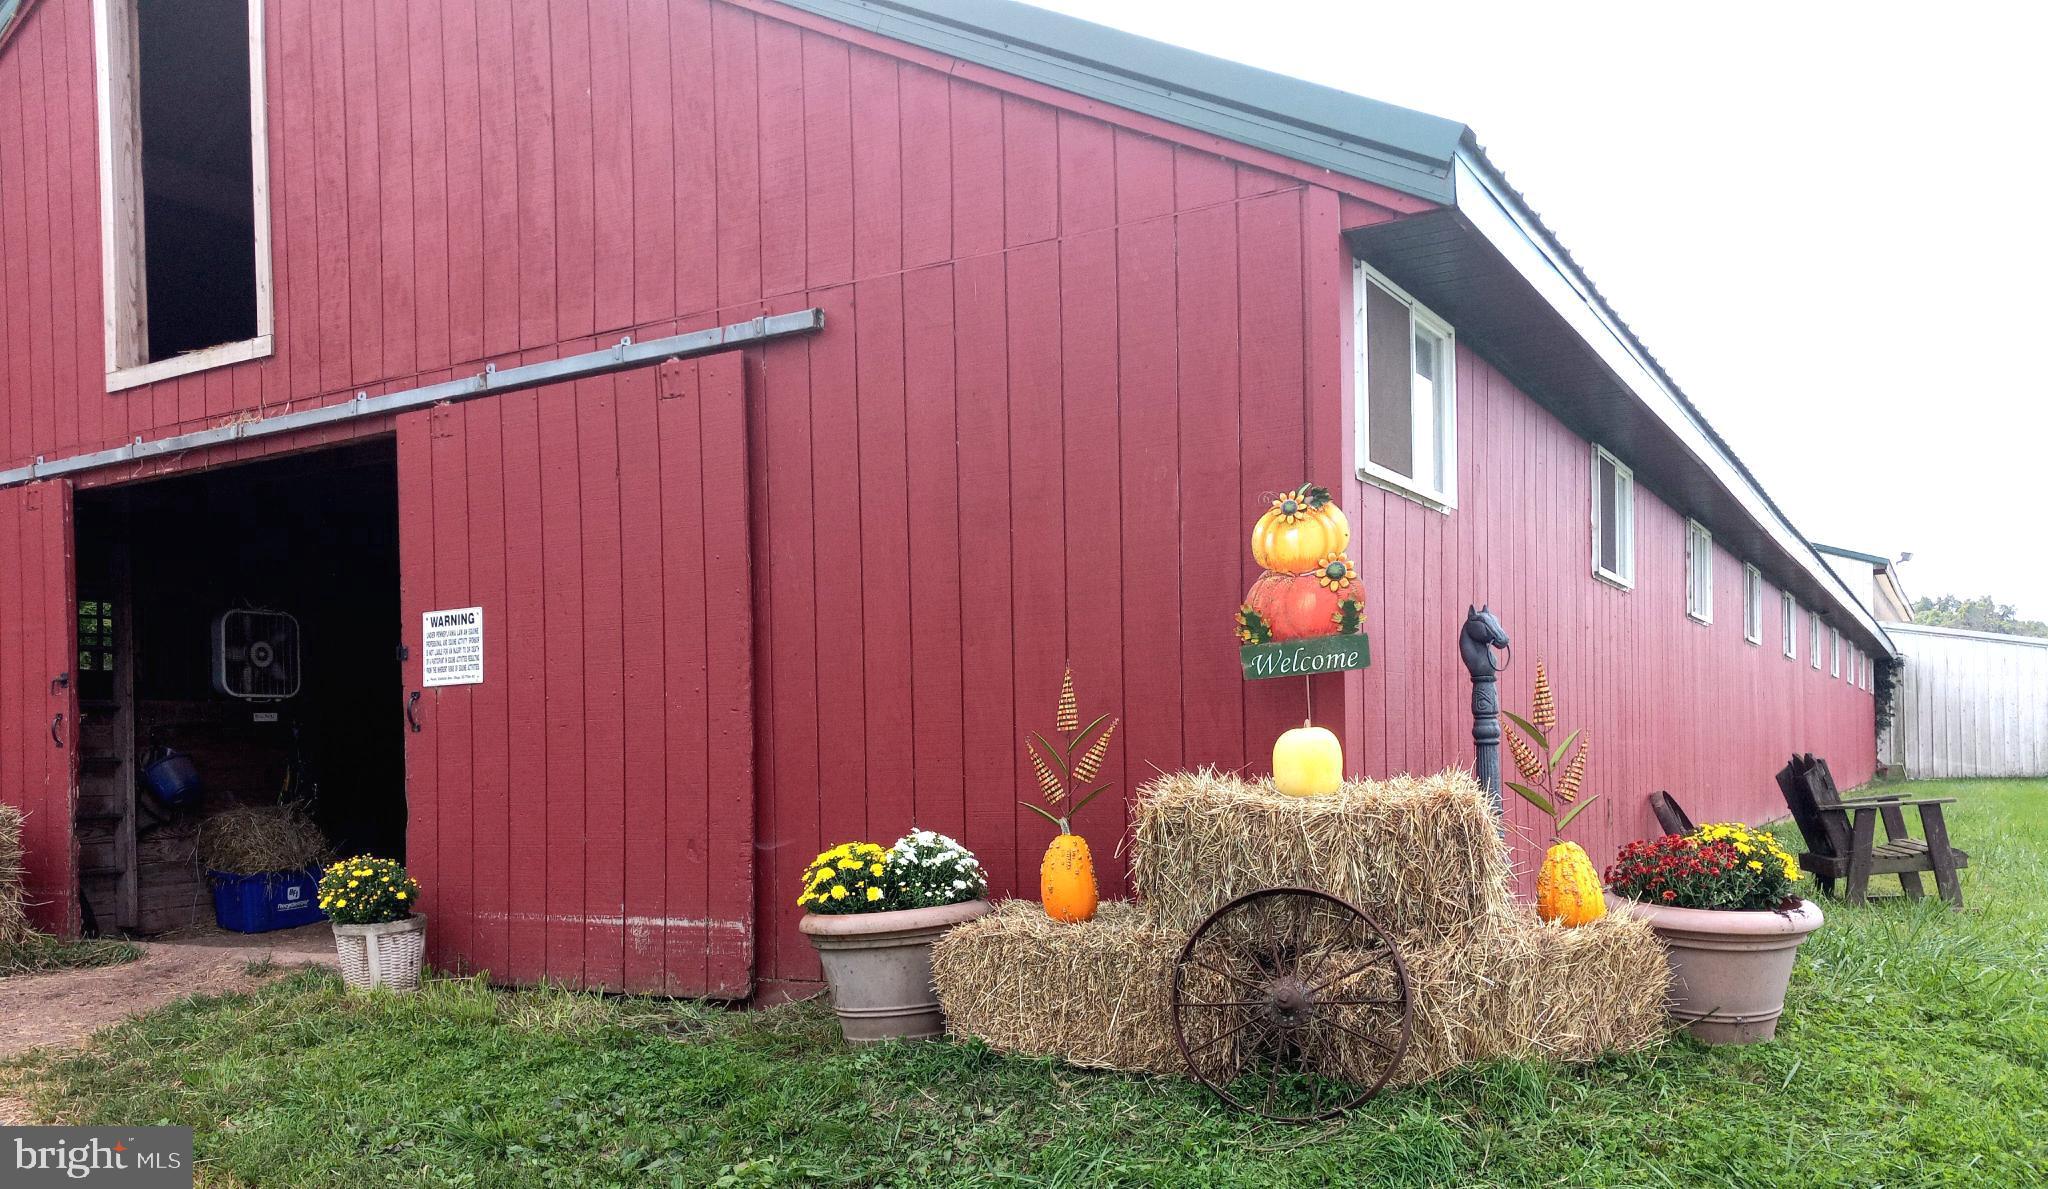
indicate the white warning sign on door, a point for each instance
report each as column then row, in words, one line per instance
column 452, row 647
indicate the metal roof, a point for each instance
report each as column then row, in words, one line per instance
column 1838, row 551
column 1396, row 147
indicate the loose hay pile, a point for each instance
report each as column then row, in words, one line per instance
column 259, row 839
column 13, row 919
column 1413, row 852
column 1419, row 855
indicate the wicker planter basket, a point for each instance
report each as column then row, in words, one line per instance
column 386, row 955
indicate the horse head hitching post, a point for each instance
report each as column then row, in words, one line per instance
column 1482, row 634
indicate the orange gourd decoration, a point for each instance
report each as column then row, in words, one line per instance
column 1067, row 772
column 1066, row 880
column 1567, row 887
column 1303, row 528
column 1305, row 606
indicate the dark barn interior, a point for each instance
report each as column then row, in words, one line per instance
column 313, row 536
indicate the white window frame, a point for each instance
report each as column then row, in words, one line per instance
column 1790, row 608
column 122, row 279
column 1752, row 604
column 1834, row 652
column 1816, row 643
column 1699, row 558
column 1625, row 515
column 1867, row 662
column 1443, row 499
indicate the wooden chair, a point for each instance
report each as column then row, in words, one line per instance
column 1841, row 839
column 1669, row 815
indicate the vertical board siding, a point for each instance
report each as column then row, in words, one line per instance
column 1064, row 361
column 584, row 815
column 38, row 752
column 1969, row 704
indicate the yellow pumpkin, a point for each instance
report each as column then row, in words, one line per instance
column 1308, row 761
column 1303, row 527
column 1066, row 880
column 1567, row 887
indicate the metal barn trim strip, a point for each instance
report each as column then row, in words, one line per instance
column 623, row 356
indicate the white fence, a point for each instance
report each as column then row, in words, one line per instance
column 1969, row 704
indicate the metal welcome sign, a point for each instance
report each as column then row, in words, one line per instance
column 1306, row 613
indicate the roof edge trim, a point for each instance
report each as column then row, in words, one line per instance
column 1493, row 208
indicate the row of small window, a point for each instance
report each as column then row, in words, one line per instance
column 1614, row 560
column 1407, row 441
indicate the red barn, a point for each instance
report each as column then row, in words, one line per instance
column 604, row 451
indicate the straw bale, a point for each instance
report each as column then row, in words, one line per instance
column 1093, row 993
column 1098, row 994
column 1412, row 852
column 13, row 918
column 1515, row 987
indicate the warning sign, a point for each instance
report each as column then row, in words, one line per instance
column 452, row 647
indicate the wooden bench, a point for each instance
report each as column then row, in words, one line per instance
column 1841, row 841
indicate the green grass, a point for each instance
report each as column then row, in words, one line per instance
column 38, row 954
column 1914, row 1051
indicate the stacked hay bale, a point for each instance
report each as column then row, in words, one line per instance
column 13, row 916
column 1419, row 855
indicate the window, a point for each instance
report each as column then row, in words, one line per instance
column 1699, row 572
column 1752, row 604
column 1867, row 662
column 1614, row 519
column 1834, row 652
column 1407, row 393
column 1813, row 641
column 1788, row 609
column 184, row 186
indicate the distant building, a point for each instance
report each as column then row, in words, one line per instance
column 1874, row 579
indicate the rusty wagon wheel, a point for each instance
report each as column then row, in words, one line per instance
column 1292, row 1003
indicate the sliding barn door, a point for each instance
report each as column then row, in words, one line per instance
column 39, row 694
column 578, row 694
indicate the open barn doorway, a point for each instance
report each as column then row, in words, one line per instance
column 237, row 648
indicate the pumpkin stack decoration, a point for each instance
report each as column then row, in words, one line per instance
column 1066, row 774
column 1310, row 588
column 1309, row 591
column 1567, row 886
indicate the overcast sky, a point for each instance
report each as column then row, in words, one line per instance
column 1827, row 226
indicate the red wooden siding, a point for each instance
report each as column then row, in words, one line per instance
column 38, row 631
column 585, row 814
column 1067, row 349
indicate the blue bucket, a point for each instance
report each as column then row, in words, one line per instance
column 170, row 775
column 260, row 903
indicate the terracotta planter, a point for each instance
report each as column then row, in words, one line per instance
column 879, row 966
column 1729, row 970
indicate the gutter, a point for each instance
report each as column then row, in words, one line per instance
column 626, row 355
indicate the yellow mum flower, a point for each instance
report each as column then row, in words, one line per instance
column 1754, row 865
column 874, row 868
column 401, row 895
column 838, row 892
column 874, row 894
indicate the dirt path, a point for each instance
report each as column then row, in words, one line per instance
column 63, row 1008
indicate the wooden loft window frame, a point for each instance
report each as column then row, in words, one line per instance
column 1699, row 573
column 123, row 248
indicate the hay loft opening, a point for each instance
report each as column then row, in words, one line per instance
column 240, row 625
column 184, row 185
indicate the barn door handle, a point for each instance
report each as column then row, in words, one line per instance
column 412, row 715
column 57, row 729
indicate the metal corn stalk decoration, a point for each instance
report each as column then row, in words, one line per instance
column 1549, row 781
column 1067, row 771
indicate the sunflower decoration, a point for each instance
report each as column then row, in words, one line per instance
column 1293, row 506
column 1335, row 572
